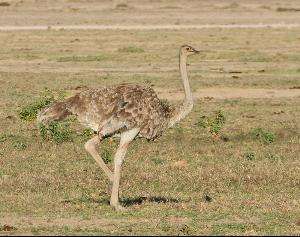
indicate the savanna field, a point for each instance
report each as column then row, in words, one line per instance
column 230, row 168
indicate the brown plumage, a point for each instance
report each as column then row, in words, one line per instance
column 127, row 106
column 126, row 109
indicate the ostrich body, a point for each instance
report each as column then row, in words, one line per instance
column 126, row 110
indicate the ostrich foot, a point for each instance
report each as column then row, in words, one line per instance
column 118, row 207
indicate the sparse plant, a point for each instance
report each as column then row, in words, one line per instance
column 263, row 135
column 57, row 131
column 217, row 122
column 185, row 230
column 88, row 58
column 86, row 134
column 19, row 144
column 207, row 198
column 202, row 122
column 3, row 138
column 157, row 160
column 131, row 49
column 273, row 157
column 249, row 156
column 30, row 111
column 106, row 155
column 214, row 123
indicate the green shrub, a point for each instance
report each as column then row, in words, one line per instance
column 56, row 131
column 263, row 135
column 29, row 112
column 214, row 123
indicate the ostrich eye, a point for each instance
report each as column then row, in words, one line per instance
column 188, row 49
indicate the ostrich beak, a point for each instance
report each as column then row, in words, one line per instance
column 197, row 51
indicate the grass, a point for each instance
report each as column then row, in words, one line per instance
column 265, row 136
column 17, row 142
column 73, row 185
column 131, row 49
column 88, row 58
column 29, row 112
column 57, row 131
column 187, row 182
column 214, row 123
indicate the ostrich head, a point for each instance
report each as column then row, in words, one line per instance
column 186, row 50
column 54, row 112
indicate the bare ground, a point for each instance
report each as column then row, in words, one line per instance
column 148, row 27
column 157, row 12
column 233, row 93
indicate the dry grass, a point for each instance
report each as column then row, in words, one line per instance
column 244, row 180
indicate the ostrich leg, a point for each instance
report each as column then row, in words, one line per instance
column 91, row 146
column 106, row 128
column 126, row 138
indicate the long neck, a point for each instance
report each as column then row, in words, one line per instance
column 188, row 103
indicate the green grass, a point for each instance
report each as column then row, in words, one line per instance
column 240, row 177
column 131, row 49
column 29, row 112
column 88, row 58
column 57, row 131
column 265, row 136
column 214, row 123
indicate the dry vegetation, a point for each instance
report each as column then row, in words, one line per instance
column 231, row 167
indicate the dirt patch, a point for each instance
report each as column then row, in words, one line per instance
column 147, row 27
column 232, row 93
column 148, row 12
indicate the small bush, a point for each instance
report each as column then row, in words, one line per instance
column 30, row 111
column 214, row 123
column 263, row 135
column 56, row 131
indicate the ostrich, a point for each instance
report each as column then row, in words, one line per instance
column 124, row 110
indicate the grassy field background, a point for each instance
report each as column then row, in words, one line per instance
column 244, row 180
